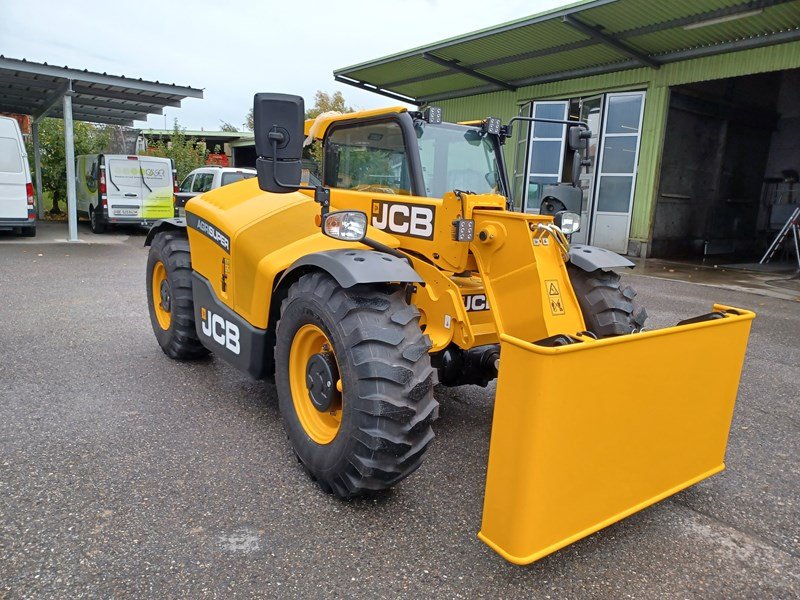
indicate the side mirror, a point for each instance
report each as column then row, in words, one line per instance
column 278, row 123
column 578, row 137
column 577, row 164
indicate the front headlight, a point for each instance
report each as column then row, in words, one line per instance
column 345, row 225
column 567, row 222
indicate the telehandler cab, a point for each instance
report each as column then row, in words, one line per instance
column 407, row 266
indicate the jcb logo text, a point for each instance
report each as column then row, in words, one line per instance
column 403, row 219
column 220, row 330
column 476, row 302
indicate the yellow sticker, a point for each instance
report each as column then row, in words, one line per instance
column 556, row 306
column 554, row 296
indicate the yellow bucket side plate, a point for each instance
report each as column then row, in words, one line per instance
column 651, row 417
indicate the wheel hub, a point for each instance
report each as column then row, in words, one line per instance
column 166, row 296
column 321, row 378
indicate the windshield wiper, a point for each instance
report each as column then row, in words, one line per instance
column 141, row 174
column 111, row 179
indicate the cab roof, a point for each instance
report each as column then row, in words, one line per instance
column 323, row 122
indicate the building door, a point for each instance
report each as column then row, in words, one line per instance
column 616, row 170
column 591, row 111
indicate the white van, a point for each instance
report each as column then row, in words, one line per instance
column 118, row 188
column 205, row 179
column 17, row 210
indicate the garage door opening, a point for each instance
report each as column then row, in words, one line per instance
column 729, row 172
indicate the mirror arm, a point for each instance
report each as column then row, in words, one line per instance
column 376, row 245
column 322, row 195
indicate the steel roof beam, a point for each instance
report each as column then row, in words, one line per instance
column 372, row 88
column 118, row 105
column 609, row 40
column 28, row 82
column 53, row 100
column 743, row 44
column 654, row 28
column 455, row 66
column 155, row 87
column 95, row 112
column 107, row 119
column 478, row 35
column 21, row 109
column 124, row 111
column 85, row 90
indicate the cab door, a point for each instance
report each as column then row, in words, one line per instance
column 124, row 187
column 158, row 196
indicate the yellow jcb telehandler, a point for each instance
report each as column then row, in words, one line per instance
column 407, row 266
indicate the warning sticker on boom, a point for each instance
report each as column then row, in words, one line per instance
column 554, row 297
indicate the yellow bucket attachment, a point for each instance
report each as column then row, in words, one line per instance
column 589, row 433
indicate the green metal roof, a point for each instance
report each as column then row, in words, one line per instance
column 585, row 38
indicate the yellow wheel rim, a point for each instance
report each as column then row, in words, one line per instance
column 320, row 426
column 162, row 296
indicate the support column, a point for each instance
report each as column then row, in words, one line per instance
column 37, row 169
column 69, row 146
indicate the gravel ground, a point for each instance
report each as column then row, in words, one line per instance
column 125, row 474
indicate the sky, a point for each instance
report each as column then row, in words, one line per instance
column 233, row 49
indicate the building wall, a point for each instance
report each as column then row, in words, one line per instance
column 785, row 146
column 656, row 82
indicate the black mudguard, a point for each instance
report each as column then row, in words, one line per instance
column 164, row 225
column 591, row 258
column 351, row 267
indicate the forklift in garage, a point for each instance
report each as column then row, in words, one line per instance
column 407, row 266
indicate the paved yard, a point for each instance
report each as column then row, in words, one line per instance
column 125, row 474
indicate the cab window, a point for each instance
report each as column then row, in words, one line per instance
column 368, row 157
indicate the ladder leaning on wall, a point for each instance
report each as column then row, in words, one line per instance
column 792, row 226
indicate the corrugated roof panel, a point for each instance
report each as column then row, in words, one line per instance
column 531, row 38
column 454, row 81
column 632, row 14
column 775, row 19
column 547, row 45
column 556, row 62
column 397, row 71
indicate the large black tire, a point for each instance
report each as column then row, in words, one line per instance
column 386, row 398
column 177, row 337
column 608, row 308
column 29, row 232
column 95, row 224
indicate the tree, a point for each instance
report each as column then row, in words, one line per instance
column 185, row 152
column 88, row 139
column 323, row 102
column 225, row 126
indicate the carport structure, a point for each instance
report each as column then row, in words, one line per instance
column 43, row 90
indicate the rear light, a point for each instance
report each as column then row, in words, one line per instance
column 101, row 183
column 174, row 181
column 133, row 158
column 29, row 193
